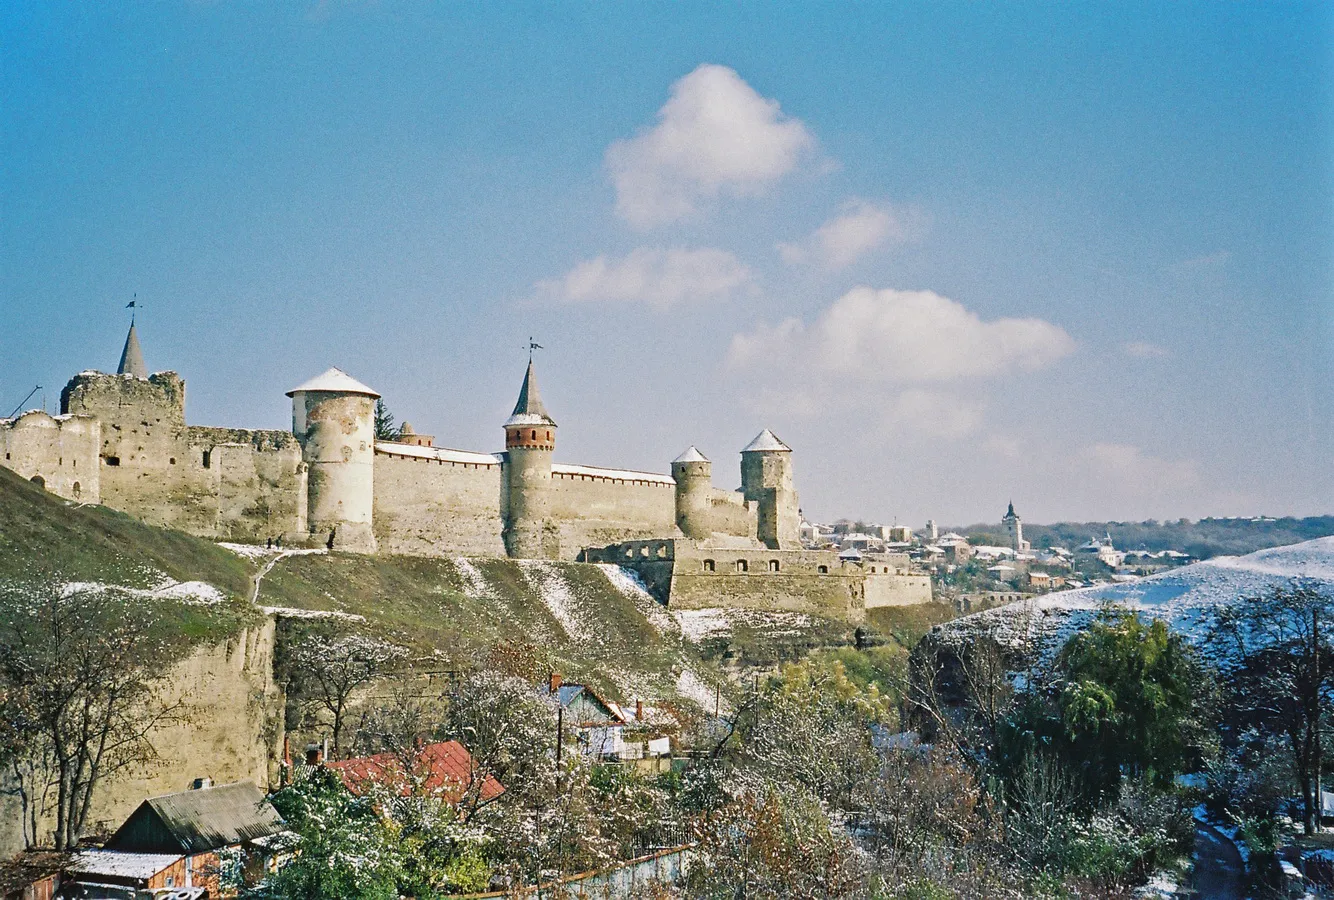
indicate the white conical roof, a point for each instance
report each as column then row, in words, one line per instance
column 691, row 455
column 334, row 381
column 765, row 440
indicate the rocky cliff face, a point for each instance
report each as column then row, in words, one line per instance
column 230, row 729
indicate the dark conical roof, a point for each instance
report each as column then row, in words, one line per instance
column 1009, row 514
column 529, row 410
column 132, row 358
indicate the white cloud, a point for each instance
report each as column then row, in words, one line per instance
column 907, row 361
column 901, row 337
column 1144, row 350
column 858, row 228
column 715, row 134
column 657, row 277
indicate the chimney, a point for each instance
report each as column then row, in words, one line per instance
column 639, row 710
column 313, row 755
column 201, row 784
column 555, row 682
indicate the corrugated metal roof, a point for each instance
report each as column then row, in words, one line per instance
column 198, row 821
column 114, row 863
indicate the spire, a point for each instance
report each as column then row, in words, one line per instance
column 1009, row 514
column 132, row 358
column 529, row 410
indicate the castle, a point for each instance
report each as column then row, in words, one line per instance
column 122, row 440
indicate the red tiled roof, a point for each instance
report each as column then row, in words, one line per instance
column 444, row 767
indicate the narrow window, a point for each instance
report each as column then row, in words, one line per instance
column 172, row 460
column 773, row 565
column 823, row 570
column 742, row 566
column 113, row 460
column 708, row 565
column 534, row 434
column 77, row 489
column 208, row 459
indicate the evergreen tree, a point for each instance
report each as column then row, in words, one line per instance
column 385, row 428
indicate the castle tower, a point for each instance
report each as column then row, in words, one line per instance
column 1014, row 526
column 766, row 478
column 530, row 439
column 693, row 474
column 132, row 358
column 333, row 416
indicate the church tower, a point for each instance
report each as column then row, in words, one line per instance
column 1014, row 526
column 766, row 479
column 530, row 438
column 333, row 416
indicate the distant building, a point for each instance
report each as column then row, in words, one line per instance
column 444, row 769
column 1015, row 527
column 930, row 533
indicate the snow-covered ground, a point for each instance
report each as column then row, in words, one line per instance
column 699, row 624
column 197, row 592
column 1185, row 598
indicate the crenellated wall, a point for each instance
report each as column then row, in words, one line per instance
column 432, row 501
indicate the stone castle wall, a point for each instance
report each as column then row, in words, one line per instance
column 229, row 729
column 600, row 506
column 232, row 483
column 59, row 452
column 435, row 502
column 686, row 574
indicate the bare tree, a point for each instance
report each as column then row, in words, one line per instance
column 331, row 668
column 79, row 672
column 1280, row 678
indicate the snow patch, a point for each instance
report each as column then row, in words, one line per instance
column 474, row 582
column 692, row 687
column 549, row 583
column 292, row 612
column 631, row 586
column 699, row 624
column 197, row 593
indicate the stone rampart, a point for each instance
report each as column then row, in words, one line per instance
column 432, row 501
column 58, row 452
column 599, row 506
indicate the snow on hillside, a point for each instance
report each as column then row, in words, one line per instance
column 1184, row 598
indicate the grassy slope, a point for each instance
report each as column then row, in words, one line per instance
column 44, row 539
column 427, row 604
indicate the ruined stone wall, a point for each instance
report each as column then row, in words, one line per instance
column 594, row 509
column 61, row 453
column 232, row 483
column 230, row 730
column 731, row 514
column 897, row 590
column 430, row 504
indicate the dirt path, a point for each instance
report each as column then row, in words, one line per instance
column 1219, row 871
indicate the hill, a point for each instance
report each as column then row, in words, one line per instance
column 590, row 622
column 1184, row 598
column 1201, row 539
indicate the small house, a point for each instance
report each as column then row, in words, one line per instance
column 598, row 724
column 207, row 827
column 444, row 769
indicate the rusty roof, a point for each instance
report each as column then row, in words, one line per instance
column 445, row 767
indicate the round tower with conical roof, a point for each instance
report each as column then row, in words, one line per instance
column 766, row 480
column 333, row 416
column 693, row 474
column 530, row 439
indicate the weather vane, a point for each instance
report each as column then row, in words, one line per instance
column 533, row 345
column 134, row 305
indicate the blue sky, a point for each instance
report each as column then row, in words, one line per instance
column 1077, row 255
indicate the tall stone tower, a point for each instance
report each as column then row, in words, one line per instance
column 693, row 474
column 333, row 416
column 530, row 438
column 1014, row 526
column 766, row 478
